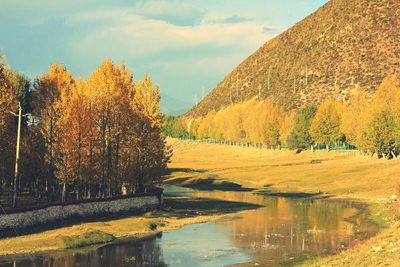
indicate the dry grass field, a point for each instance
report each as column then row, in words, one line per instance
column 341, row 174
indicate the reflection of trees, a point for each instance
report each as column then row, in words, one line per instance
column 147, row 253
column 290, row 226
column 329, row 217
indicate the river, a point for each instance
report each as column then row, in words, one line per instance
column 284, row 230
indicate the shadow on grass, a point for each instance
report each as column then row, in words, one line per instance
column 185, row 207
column 186, row 170
column 207, row 184
column 316, row 195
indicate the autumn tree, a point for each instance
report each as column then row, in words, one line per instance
column 300, row 136
column 379, row 135
column 16, row 88
column 8, row 83
column 94, row 137
column 287, row 126
column 75, row 128
column 233, row 127
column 153, row 152
column 109, row 90
column 48, row 91
column 381, row 125
column 325, row 127
column 352, row 119
column 174, row 127
column 273, row 122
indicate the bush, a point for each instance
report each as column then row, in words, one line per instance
column 87, row 239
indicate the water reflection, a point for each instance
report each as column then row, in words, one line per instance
column 120, row 255
column 294, row 227
column 285, row 228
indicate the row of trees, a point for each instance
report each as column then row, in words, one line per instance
column 98, row 137
column 370, row 123
column 174, row 127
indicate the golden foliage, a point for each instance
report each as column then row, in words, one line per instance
column 325, row 127
column 101, row 135
column 245, row 122
column 8, row 83
column 370, row 123
column 379, row 121
column 352, row 119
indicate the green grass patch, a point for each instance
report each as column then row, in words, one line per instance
column 209, row 183
column 378, row 215
column 303, row 260
column 190, row 206
column 86, row 239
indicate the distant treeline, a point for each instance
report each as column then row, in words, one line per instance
column 369, row 123
column 90, row 138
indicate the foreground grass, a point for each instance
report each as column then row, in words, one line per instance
column 184, row 210
column 332, row 174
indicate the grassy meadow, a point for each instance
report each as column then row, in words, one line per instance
column 339, row 174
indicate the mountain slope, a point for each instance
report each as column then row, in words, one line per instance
column 344, row 43
column 173, row 106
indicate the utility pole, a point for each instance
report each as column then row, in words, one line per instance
column 306, row 75
column 294, row 84
column 15, row 185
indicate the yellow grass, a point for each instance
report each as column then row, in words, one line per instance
column 344, row 174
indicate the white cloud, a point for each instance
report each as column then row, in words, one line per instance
column 137, row 36
column 173, row 11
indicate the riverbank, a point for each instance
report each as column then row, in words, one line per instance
column 344, row 175
column 181, row 211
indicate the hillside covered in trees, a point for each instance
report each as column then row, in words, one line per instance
column 99, row 137
column 343, row 44
column 370, row 124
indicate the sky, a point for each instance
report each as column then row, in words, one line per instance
column 186, row 46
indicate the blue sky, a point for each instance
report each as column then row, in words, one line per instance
column 187, row 46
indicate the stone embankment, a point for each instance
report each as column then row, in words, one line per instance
column 62, row 212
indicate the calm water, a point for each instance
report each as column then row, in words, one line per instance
column 286, row 229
